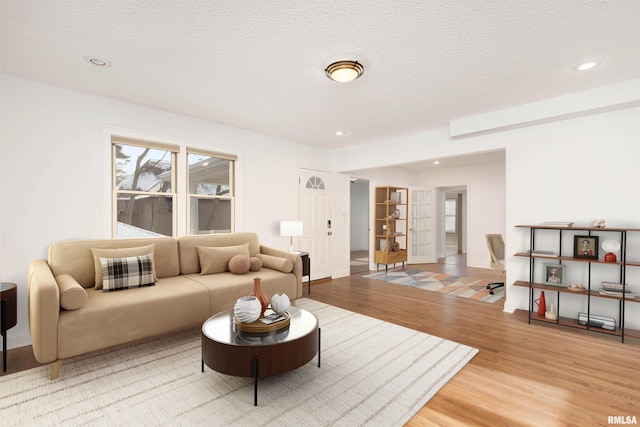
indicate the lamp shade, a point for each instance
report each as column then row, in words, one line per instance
column 291, row 228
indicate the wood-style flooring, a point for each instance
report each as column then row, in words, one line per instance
column 537, row 375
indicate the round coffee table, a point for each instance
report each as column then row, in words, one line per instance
column 247, row 354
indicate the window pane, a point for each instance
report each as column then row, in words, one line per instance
column 210, row 216
column 144, row 216
column 450, row 207
column 143, row 169
column 208, row 175
column 450, row 224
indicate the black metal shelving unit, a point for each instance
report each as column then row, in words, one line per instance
column 589, row 292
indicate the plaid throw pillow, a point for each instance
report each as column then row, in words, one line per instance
column 124, row 273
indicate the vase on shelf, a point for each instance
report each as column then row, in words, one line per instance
column 257, row 292
column 542, row 304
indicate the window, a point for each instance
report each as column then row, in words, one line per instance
column 450, row 216
column 211, row 193
column 145, row 193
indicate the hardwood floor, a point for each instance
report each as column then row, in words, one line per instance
column 539, row 375
column 536, row 374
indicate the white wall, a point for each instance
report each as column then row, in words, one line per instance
column 575, row 167
column 575, row 170
column 52, row 173
column 52, row 177
column 486, row 209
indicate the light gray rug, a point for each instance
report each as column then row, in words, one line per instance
column 373, row 373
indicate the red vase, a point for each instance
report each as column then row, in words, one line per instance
column 610, row 257
column 542, row 304
column 257, row 292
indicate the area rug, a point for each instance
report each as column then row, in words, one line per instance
column 464, row 287
column 373, row 373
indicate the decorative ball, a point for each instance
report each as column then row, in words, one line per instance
column 239, row 264
column 255, row 263
column 247, row 309
column 280, row 303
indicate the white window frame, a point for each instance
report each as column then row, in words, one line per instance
column 108, row 133
column 232, row 188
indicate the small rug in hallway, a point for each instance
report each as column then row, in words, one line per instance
column 465, row 287
column 373, row 373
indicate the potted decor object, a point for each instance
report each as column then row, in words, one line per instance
column 280, row 303
column 247, row 309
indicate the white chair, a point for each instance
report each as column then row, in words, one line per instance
column 495, row 243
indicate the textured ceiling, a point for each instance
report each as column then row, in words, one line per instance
column 259, row 65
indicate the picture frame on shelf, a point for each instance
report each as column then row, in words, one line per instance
column 554, row 274
column 383, row 245
column 585, row 247
column 395, row 197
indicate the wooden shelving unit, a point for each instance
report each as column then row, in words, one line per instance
column 391, row 225
column 591, row 290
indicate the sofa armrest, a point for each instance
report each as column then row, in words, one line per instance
column 297, row 264
column 43, row 306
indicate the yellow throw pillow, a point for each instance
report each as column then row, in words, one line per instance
column 216, row 259
column 72, row 295
column 284, row 265
column 119, row 253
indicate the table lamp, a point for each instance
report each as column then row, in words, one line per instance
column 291, row 229
column 610, row 246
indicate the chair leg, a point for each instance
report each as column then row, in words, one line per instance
column 494, row 285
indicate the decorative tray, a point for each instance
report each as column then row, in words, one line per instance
column 258, row 326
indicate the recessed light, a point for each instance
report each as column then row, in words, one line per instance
column 98, row 62
column 584, row 66
column 340, row 133
column 437, row 162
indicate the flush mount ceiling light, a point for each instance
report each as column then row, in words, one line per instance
column 344, row 71
column 98, row 62
column 584, row 66
column 340, row 133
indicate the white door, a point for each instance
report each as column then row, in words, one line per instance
column 421, row 248
column 314, row 192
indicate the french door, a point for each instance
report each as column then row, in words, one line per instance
column 420, row 247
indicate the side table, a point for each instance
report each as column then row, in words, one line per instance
column 306, row 268
column 8, row 315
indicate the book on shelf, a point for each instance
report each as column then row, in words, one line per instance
column 619, row 294
column 559, row 223
column 549, row 254
column 615, row 286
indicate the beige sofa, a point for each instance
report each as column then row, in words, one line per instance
column 180, row 298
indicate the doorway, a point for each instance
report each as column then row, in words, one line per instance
column 359, row 224
column 453, row 207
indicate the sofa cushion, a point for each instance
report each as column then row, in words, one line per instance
column 124, row 273
column 216, row 259
column 255, row 264
column 72, row 295
column 239, row 264
column 190, row 259
column 276, row 263
column 120, row 253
